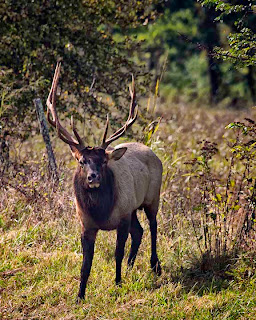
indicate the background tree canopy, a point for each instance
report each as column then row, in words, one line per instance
column 194, row 35
column 34, row 35
column 240, row 15
column 102, row 42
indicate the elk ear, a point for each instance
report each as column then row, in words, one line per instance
column 116, row 154
column 75, row 153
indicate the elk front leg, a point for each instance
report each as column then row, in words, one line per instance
column 88, row 240
column 122, row 235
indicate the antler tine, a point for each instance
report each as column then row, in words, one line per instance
column 63, row 134
column 133, row 112
column 80, row 141
column 105, row 131
column 133, row 97
column 52, row 95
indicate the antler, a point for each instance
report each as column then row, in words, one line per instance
column 131, row 119
column 63, row 134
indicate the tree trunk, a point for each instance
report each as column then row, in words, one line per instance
column 45, row 133
column 211, row 39
column 214, row 74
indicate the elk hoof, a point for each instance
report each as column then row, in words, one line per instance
column 119, row 283
column 79, row 300
column 156, row 267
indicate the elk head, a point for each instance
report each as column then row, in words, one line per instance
column 92, row 160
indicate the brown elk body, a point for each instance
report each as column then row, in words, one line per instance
column 110, row 185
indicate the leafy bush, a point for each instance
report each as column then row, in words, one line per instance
column 216, row 195
column 242, row 40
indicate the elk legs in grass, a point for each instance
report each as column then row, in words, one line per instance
column 154, row 261
column 88, row 241
column 136, row 232
column 122, row 235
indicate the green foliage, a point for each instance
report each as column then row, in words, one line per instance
column 34, row 35
column 242, row 42
column 189, row 36
column 164, row 31
column 227, row 204
column 166, row 39
column 189, row 80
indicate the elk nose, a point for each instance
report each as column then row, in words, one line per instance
column 91, row 177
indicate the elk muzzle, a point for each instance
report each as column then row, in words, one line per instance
column 93, row 179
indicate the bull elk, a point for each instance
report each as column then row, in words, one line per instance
column 110, row 185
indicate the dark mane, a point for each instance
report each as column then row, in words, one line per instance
column 98, row 202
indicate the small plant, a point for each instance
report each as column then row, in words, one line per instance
column 222, row 202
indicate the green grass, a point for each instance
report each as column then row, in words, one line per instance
column 40, row 277
column 40, row 252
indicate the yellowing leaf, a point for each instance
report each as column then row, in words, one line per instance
column 218, row 196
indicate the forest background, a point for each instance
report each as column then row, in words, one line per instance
column 102, row 42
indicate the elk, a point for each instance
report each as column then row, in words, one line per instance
column 110, row 185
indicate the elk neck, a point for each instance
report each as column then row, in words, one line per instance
column 97, row 202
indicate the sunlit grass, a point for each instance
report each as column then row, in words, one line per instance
column 40, row 250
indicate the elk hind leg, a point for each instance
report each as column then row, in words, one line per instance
column 136, row 232
column 151, row 215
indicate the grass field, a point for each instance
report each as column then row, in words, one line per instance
column 40, row 252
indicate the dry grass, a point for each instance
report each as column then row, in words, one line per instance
column 40, row 242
